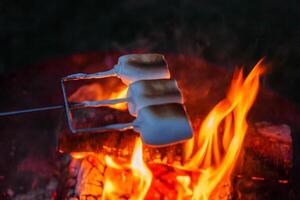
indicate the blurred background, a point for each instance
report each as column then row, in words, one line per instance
column 227, row 33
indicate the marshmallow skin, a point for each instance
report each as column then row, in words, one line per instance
column 165, row 124
column 134, row 67
column 152, row 92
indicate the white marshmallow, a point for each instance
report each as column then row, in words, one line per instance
column 131, row 68
column 152, row 92
column 144, row 93
column 134, row 67
column 164, row 124
column 159, row 125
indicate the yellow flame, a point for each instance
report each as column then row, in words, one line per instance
column 108, row 189
column 184, row 191
column 111, row 163
column 118, row 95
column 95, row 91
column 80, row 155
column 217, row 152
column 140, row 171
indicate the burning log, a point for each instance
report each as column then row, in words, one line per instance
column 266, row 157
column 269, row 148
column 87, row 178
column 84, row 178
column 266, row 162
column 113, row 143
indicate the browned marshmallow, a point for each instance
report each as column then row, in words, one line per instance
column 152, row 92
column 134, row 67
column 163, row 124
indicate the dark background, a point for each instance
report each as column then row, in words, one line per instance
column 227, row 33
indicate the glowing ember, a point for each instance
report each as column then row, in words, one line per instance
column 141, row 176
column 210, row 157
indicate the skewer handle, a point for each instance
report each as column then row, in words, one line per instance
column 85, row 104
column 10, row 113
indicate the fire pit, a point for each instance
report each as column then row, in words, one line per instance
column 232, row 155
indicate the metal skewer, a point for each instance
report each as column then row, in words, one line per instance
column 17, row 112
column 85, row 104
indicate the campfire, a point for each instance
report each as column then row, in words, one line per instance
column 240, row 148
column 200, row 168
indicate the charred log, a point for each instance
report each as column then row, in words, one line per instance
column 114, row 143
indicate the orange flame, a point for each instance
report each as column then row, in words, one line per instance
column 141, row 174
column 217, row 152
column 140, row 171
column 95, row 92
column 184, row 191
column 118, row 95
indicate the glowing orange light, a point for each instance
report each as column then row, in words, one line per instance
column 119, row 95
column 184, row 191
column 140, row 171
column 217, row 152
column 142, row 176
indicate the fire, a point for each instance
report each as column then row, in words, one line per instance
column 184, row 190
column 141, row 176
column 140, row 171
column 212, row 153
column 119, row 95
column 217, row 151
column 95, row 92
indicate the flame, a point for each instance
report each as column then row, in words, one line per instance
column 80, row 155
column 217, row 151
column 142, row 176
column 184, row 191
column 95, row 92
column 108, row 189
column 119, row 95
column 140, row 171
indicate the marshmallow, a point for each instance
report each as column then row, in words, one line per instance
column 165, row 124
column 144, row 93
column 152, row 92
column 131, row 68
column 158, row 125
column 134, row 67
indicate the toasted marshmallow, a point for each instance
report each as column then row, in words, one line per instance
column 134, row 67
column 131, row 68
column 164, row 124
column 152, row 92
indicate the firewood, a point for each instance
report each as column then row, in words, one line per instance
column 114, row 143
column 267, row 151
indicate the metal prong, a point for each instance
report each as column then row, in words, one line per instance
column 30, row 110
